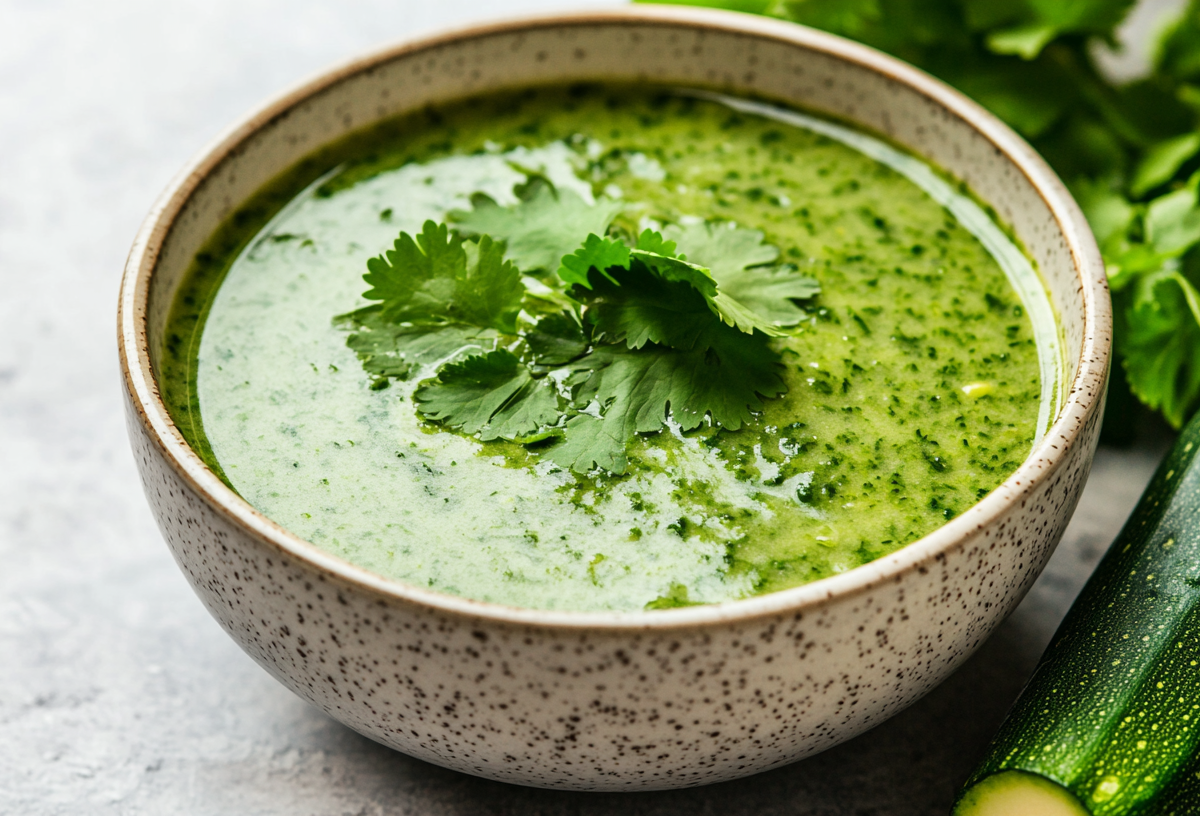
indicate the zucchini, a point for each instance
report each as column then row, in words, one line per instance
column 1109, row 724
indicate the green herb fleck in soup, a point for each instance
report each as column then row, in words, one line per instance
column 610, row 348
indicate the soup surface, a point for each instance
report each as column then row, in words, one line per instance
column 916, row 380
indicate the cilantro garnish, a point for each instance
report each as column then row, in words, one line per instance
column 492, row 394
column 635, row 305
column 439, row 297
column 390, row 351
column 439, row 278
column 634, row 388
column 1164, row 329
column 556, row 339
column 596, row 253
column 653, row 295
column 544, row 225
column 736, row 258
column 629, row 338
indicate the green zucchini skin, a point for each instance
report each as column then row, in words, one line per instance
column 1112, row 712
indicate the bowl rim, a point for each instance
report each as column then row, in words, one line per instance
column 1083, row 398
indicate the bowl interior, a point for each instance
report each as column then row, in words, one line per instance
column 729, row 53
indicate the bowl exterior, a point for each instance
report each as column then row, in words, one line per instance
column 647, row 700
column 607, row 709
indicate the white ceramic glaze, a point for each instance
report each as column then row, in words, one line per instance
column 607, row 701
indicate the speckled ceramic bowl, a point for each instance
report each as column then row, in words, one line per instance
column 635, row 701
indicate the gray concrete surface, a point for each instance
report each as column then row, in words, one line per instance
column 118, row 694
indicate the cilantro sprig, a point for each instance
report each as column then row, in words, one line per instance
column 622, row 341
column 545, row 224
column 439, row 297
column 1128, row 148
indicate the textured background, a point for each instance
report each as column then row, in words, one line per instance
column 118, row 694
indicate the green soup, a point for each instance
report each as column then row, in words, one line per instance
column 917, row 380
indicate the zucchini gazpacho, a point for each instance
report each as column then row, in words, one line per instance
column 617, row 348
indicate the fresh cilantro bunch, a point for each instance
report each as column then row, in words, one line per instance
column 546, row 333
column 1130, row 151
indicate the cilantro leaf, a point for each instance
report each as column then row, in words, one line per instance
column 1172, row 222
column 1091, row 16
column 1161, row 345
column 1162, row 162
column 541, row 300
column 677, row 270
column 657, row 254
column 635, row 389
column 1109, row 213
column 556, row 340
column 732, row 255
column 769, row 292
column 737, row 314
column 1046, row 20
column 492, row 395
column 1141, row 239
column 1155, row 237
column 726, row 381
column 724, row 249
column 596, row 253
column 603, row 254
column 1028, row 95
column 590, row 442
column 541, row 228
column 435, row 278
column 390, row 350
column 1025, row 41
column 656, row 242
column 636, row 306
column 441, row 298
column 416, row 277
column 488, row 291
column 1179, row 50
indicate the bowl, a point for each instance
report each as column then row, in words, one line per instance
column 641, row 700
